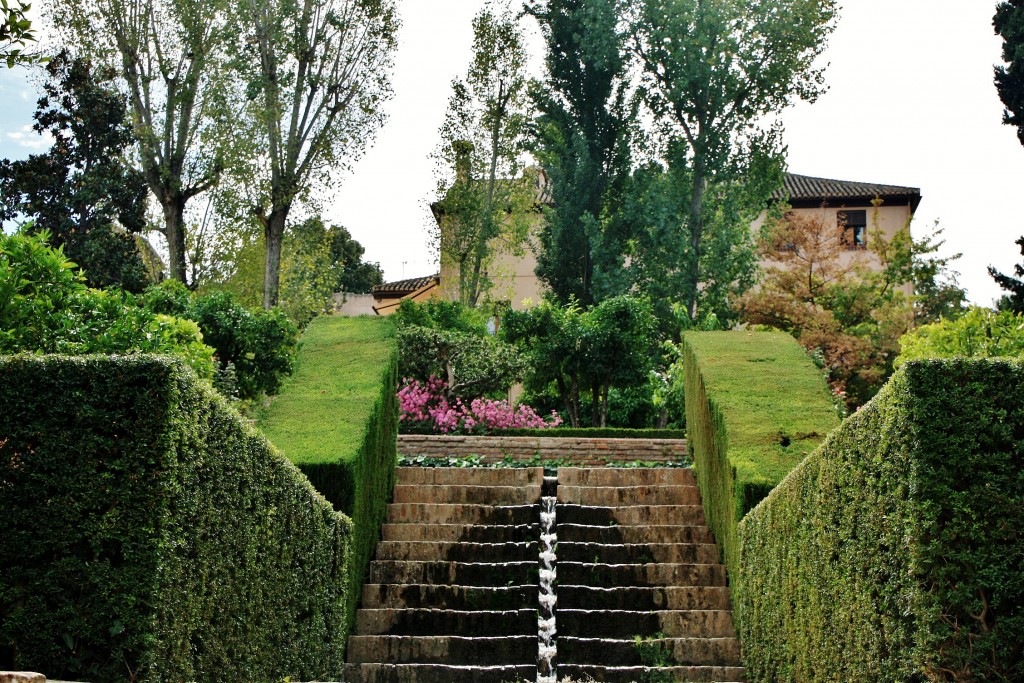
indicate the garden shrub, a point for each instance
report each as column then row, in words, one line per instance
column 894, row 553
column 755, row 407
column 425, row 408
column 259, row 344
column 149, row 534
column 595, row 433
column 337, row 420
column 979, row 333
column 45, row 307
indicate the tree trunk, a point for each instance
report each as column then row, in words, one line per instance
column 563, row 392
column 273, row 233
column 595, row 409
column 696, row 235
column 173, row 205
column 604, row 406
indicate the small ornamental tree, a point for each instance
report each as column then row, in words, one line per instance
column 578, row 351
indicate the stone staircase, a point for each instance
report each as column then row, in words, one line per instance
column 452, row 595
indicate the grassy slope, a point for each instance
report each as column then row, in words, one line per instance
column 324, row 407
column 765, row 386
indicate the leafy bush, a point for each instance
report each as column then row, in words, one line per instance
column 894, row 552
column 755, row 407
column 258, row 344
column 45, row 307
column 337, row 420
column 596, row 433
column 979, row 333
column 426, row 407
column 610, row 345
column 437, row 314
column 150, row 535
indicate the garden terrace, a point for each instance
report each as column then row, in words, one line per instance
column 337, row 418
column 755, row 407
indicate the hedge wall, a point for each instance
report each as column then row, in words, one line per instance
column 150, row 535
column 337, row 420
column 755, row 407
column 895, row 552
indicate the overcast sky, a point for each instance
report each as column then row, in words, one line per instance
column 911, row 102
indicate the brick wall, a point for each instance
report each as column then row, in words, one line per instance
column 579, row 451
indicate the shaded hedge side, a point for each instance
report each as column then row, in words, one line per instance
column 895, row 552
column 755, row 407
column 150, row 535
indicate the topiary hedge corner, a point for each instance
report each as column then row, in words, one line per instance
column 894, row 553
column 755, row 407
column 149, row 534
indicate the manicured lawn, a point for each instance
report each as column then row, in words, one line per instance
column 766, row 388
column 323, row 411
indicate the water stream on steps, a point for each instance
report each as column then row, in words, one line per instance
column 546, row 647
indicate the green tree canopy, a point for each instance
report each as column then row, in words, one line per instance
column 1009, row 23
column 83, row 192
column 713, row 72
column 979, row 333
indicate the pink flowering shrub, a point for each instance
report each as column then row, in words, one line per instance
column 427, row 406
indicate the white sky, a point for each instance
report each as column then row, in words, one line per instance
column 911, row 102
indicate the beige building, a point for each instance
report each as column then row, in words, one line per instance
column 857, row 209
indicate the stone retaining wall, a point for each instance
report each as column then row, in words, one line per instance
column 578, row 451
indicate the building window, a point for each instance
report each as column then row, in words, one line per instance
column 853, row 229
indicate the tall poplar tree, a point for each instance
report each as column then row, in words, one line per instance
column 583, row 145
column 482, row 193
column 169, row 55
column 713, row 70
column 317, row 73
column 1009, row 23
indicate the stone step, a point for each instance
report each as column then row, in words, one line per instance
column 613, row 476
column 470, row 476
column 454, row 551
column 635, row 674
column 448, row 513
column 614, row 496
column 473, row 495
column 616, row 575
column 628, row 652
column 636, row 598
column 447, row 622
column 462, row 598
column 474, row 533
column 438, row 673
column 641, row 553
column 659, row 533
column 631, row 515
column 455, row 573
column 627, row 623
column 473, row 649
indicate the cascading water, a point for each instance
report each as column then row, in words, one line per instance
column 546, row 647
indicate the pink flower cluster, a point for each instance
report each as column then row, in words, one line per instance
column 426, row 405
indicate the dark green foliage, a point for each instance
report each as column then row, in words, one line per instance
column 260, row 344
column 82, row 191
column 755, row 407
column 150, row 535
column 46, row 308
column 15, row 31
column 337, row 420
column 450, row 341
column 610, row 345
column 357, row 276
column 1009, row 23
column 583, row 144
column 1014, row 285
column 894, row 552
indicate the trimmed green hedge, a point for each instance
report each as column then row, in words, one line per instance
column 594, row 433
column 894, row 553
column 149, row 534
column 755, row 407
column 337, row 419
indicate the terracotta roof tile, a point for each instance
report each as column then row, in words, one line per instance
column 403, row 287
column 802, row 187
